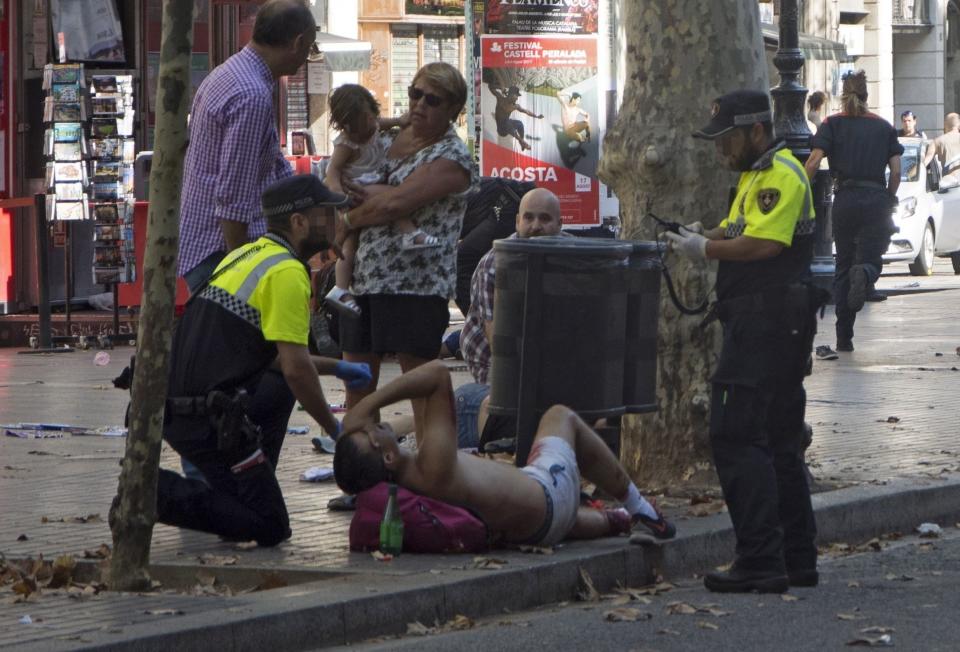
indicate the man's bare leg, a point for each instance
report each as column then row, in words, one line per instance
column 598, row 465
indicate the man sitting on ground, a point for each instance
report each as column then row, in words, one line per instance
column 538, row 504
column 538, row 215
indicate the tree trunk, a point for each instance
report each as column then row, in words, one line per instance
column 133, row 511
column 680, row 56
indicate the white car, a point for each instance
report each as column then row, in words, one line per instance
column 928, row 214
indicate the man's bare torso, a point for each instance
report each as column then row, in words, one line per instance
column 509, row 501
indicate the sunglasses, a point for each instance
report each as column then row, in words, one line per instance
column 415, row 94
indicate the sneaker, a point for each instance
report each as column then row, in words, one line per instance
column 660, row 527
column 826, row 353
column 858, row 288
column 803, row 577
column 737, row 580
column 846, row 346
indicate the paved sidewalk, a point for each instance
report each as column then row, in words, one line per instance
column 895, row 372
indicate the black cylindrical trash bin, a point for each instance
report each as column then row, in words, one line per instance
column 559, row 328
column 643, row 313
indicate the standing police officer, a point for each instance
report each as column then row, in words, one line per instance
column 768, row 313
column 859, row 146
column 239, row 359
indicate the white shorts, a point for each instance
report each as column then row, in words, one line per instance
column 553, row 463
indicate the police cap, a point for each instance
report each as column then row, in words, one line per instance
column 296, row 194
column 737, row 109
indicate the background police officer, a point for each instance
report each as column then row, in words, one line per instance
column 764, row 246
column 239, row 359
column 859, row 146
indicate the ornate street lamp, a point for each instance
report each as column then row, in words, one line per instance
column 790, row 122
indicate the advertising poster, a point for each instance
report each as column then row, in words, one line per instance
column 542, row 17
column 434, row 7
column 539, row 101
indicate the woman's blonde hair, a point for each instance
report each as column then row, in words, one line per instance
column 447, row 79
column 854, row 97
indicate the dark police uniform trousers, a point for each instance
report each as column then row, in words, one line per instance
column 757, row 427
column 862, row 226
column 241, row 506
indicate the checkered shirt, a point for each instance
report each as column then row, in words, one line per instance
column 473, row 341
column 234, row 153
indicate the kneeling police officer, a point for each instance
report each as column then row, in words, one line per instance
column 239, row 360
column 768, row 312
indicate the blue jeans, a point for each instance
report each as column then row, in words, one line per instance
column 468, row 399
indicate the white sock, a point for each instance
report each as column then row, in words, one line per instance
column 637, row 504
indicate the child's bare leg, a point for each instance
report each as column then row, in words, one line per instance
column 413, row 237
column 344, row 271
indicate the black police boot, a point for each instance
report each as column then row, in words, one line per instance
column 858, row 288
column 803, row 577
column 739, row 580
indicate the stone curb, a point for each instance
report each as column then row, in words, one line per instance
column 351, row 608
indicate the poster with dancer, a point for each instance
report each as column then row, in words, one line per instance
column 539, row 100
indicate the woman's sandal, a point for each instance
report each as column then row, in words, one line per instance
column 341, row 301
column 410, row 240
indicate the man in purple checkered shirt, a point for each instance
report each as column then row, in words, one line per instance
column 234, row 150
column 538, row 215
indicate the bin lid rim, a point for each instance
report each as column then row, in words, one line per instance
column 554, row 244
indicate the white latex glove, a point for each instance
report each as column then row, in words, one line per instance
column 694, row 227
column 691, row 245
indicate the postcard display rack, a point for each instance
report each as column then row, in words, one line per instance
column 90, row 153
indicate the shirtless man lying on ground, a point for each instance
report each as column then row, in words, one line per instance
column 538, row 504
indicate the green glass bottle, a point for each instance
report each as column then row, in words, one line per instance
column 391, row 527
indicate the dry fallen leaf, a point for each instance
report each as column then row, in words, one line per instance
column 25, row 586
column 416, row 628
column 380, row 556
column 163, row 612
column 866, row 641
column 626, row 615
column 672, row 632
column 853, row 584
column 586, row 591
column 848, row 617
column 459, row 622
column 680, row 608
column 786, row 597
column 62, row 571
column 702, row 624
column 246, row 545
column 537, row 550
column 103, row 552
column 489, row 563
column 876, row 629
column 217, row 560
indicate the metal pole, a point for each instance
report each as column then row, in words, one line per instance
column 790, row 122
column 43, row 280
column 67, row 277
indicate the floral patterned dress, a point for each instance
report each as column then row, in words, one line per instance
column 382, row 266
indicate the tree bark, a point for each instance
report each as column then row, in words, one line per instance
column 680, row 56
column 133, row 512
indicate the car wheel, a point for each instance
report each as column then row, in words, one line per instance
column 923, row 263
column 955, row 259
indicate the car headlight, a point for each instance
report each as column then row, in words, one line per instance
column 906, row 208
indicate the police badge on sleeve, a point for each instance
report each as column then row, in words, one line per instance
column 767, row 199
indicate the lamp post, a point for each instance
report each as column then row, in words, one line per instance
column 790, row 122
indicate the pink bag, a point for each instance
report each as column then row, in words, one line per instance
column 429, row 525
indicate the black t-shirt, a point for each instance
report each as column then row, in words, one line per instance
column 857, row 147
column 917, row 134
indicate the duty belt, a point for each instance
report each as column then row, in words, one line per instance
column 861, row 183
column 187, row 406
column 772, row 299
